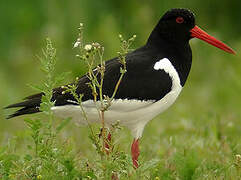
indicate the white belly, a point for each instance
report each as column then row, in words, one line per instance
column 133, row 114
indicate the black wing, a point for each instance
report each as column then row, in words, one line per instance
column 141, row 82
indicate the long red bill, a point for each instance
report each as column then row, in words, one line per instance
column 200, row 34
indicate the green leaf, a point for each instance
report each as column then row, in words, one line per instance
column 60, row 78
column 36, row 87
column 33, row 124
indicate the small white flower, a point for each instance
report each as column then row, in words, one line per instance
column 88, row 47
column 238, row 157
column 77, row 43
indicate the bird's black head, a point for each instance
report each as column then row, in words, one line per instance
column 177, row 27
column 174, row 26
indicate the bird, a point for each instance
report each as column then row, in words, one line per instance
column 156, row 74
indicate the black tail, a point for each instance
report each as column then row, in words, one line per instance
column 29, row 106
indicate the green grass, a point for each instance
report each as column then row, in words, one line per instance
column 197, row 138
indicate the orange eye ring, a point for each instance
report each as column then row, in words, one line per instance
column 179, row 20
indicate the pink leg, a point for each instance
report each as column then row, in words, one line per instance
column 135, row 152
column 107, row 143
column 114, row 176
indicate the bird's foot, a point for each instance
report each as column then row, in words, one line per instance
column 135, row 152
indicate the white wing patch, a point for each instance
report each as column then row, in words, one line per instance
column 166, row 65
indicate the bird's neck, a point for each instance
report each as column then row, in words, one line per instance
column 181, row 60
column 179, row 54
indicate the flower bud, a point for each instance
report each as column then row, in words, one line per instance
column 88, row 47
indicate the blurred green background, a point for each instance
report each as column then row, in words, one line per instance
column 214, row 85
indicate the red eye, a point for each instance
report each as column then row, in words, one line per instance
column 179, row 20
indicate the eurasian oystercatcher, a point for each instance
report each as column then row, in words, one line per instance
column 156, row 73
